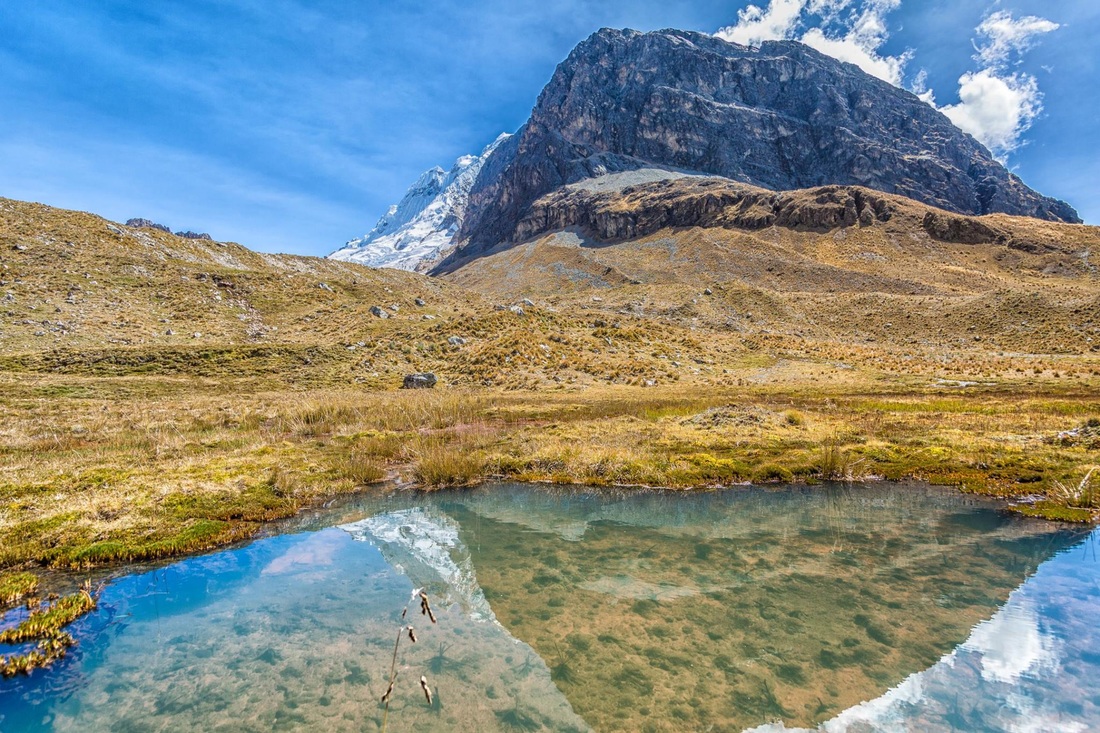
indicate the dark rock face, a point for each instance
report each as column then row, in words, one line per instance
column 781, row 117
column 195, row 235
column 637, row 211
column 147, row 224
column 419, row 381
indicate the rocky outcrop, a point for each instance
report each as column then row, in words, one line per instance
column 637, row 211
column 611, row 213
column 146, row 224
column 195, row 235
column 779, row 117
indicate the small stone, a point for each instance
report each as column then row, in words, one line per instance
column 456, row 341
column 420, row 302
column 708, row 291
column 169, row 332
column 378, row 312
column 196, row 335
column 325, row 286
column 419, row 381
column 517, row 310
column 528, row 302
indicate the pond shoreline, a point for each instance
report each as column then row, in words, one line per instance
column 769, row 596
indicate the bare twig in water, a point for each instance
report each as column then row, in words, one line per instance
column 406, row 630
column 427, row 690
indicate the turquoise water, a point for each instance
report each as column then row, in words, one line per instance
column 863, row 608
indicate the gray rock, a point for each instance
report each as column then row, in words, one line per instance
column 781, row 116
column 419, row 381
column 195, row 235
column 146, row 224
column 420, row 302
column 325, row 286
column 456, row 341
column 528, row 302
column 517, row 310
column 378, row 312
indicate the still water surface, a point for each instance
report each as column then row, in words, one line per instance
column 858, row 608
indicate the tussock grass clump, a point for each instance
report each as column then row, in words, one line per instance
column 44, row 625
column 438, row 464
column 1082, row 494
column 361, row 469
column 794, row 418
column 771, row 473
column 14, row 587
column 835, row 463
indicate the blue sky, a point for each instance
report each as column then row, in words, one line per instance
column 290, row 125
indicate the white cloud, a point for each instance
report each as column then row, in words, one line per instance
column 994, row 106
column 1008, row 36
column 995, row 109
column 756, row 25
column 862, row 32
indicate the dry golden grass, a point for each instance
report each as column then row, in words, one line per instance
column 87, row 481
column 119, row 442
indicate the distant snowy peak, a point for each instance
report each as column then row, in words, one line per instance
column 423, row 224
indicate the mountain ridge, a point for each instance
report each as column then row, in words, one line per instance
column 780, row 116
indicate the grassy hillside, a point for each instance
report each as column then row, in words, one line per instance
column 908, row 276
column 815, row 356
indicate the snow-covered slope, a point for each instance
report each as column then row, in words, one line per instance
column 425, row 221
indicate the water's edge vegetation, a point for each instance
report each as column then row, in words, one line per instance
column 104, row 475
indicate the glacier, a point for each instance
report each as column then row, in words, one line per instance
column 414, row 232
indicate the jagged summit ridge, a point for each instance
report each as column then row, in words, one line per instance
column 780, row 116
column 424, row 222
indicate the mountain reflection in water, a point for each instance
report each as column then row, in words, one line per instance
column 887, row 607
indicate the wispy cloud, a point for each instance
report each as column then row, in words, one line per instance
column 995, row 105
column 755, row 24
column 845, row 29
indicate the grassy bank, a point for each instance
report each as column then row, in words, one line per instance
column 87, row 481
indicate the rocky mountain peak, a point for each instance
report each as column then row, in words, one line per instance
column 780, row 116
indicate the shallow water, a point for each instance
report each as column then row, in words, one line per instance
column 862, row 608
